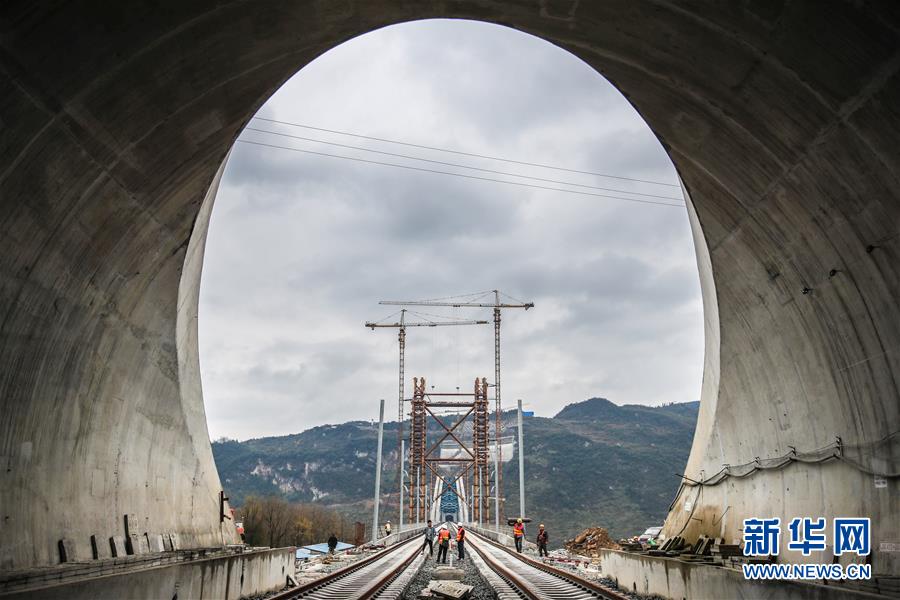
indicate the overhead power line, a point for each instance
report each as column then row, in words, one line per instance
column 472, row 154
column 463, row 175
column 457, row 165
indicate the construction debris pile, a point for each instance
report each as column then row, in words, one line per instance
column 318, row 566
column 590, row 540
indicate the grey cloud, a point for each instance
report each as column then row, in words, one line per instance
column 302, row 247
column 539, row 82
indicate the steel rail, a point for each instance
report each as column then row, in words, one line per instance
column 528, row 582
column 367, row 577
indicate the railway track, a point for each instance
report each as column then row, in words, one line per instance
column 513, row 575
column 370, row 577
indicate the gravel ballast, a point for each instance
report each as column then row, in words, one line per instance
column 471, row 577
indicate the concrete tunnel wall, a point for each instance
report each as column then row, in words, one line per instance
column 780, row 116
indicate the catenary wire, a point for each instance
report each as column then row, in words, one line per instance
column 459, row 166
column 472, row 154
column 475, row 177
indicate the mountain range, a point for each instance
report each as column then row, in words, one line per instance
column 593, row 464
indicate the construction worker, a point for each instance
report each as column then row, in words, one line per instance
column 332, row 543
column 542, row 539
column 443, row 543
column 387, row 529
column 461, row 542
column 518, row 534
column 429, row 539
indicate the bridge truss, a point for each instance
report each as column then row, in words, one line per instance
column 459, row 459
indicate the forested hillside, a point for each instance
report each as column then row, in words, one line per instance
column 594, row 463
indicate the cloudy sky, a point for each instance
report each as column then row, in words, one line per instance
column 303, row 246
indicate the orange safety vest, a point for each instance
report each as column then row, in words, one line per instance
column 460, row 534
column 518, row 530
column 445, row 535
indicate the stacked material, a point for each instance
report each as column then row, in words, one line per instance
column 590, row 540
column 448, row 590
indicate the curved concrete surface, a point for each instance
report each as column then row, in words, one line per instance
column 781, row 118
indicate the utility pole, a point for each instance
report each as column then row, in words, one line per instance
column 521, row 466
column 401, row 338
column 498, row 410
column 378, row 470
column 496, row 485
column 400, row 500
column 472, row 498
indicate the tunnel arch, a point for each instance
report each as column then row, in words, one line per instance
column 779, row 117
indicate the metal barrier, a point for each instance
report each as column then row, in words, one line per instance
column 501, row 538
column 400, row 536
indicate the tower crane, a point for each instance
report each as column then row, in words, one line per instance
column 401, row 325
column 497, row 305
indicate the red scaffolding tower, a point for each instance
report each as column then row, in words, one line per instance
column 469, row 467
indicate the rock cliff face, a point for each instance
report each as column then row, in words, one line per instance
column 594, row 463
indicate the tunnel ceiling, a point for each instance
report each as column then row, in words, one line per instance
column 781, row 117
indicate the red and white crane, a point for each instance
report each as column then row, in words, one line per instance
column 476, row 301
column 402, row 324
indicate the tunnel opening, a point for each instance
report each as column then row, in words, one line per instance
column 304, row 239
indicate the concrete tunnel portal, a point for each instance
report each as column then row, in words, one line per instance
column 780, row 117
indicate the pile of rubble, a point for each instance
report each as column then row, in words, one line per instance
column 317, row 567
column 590, row 540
